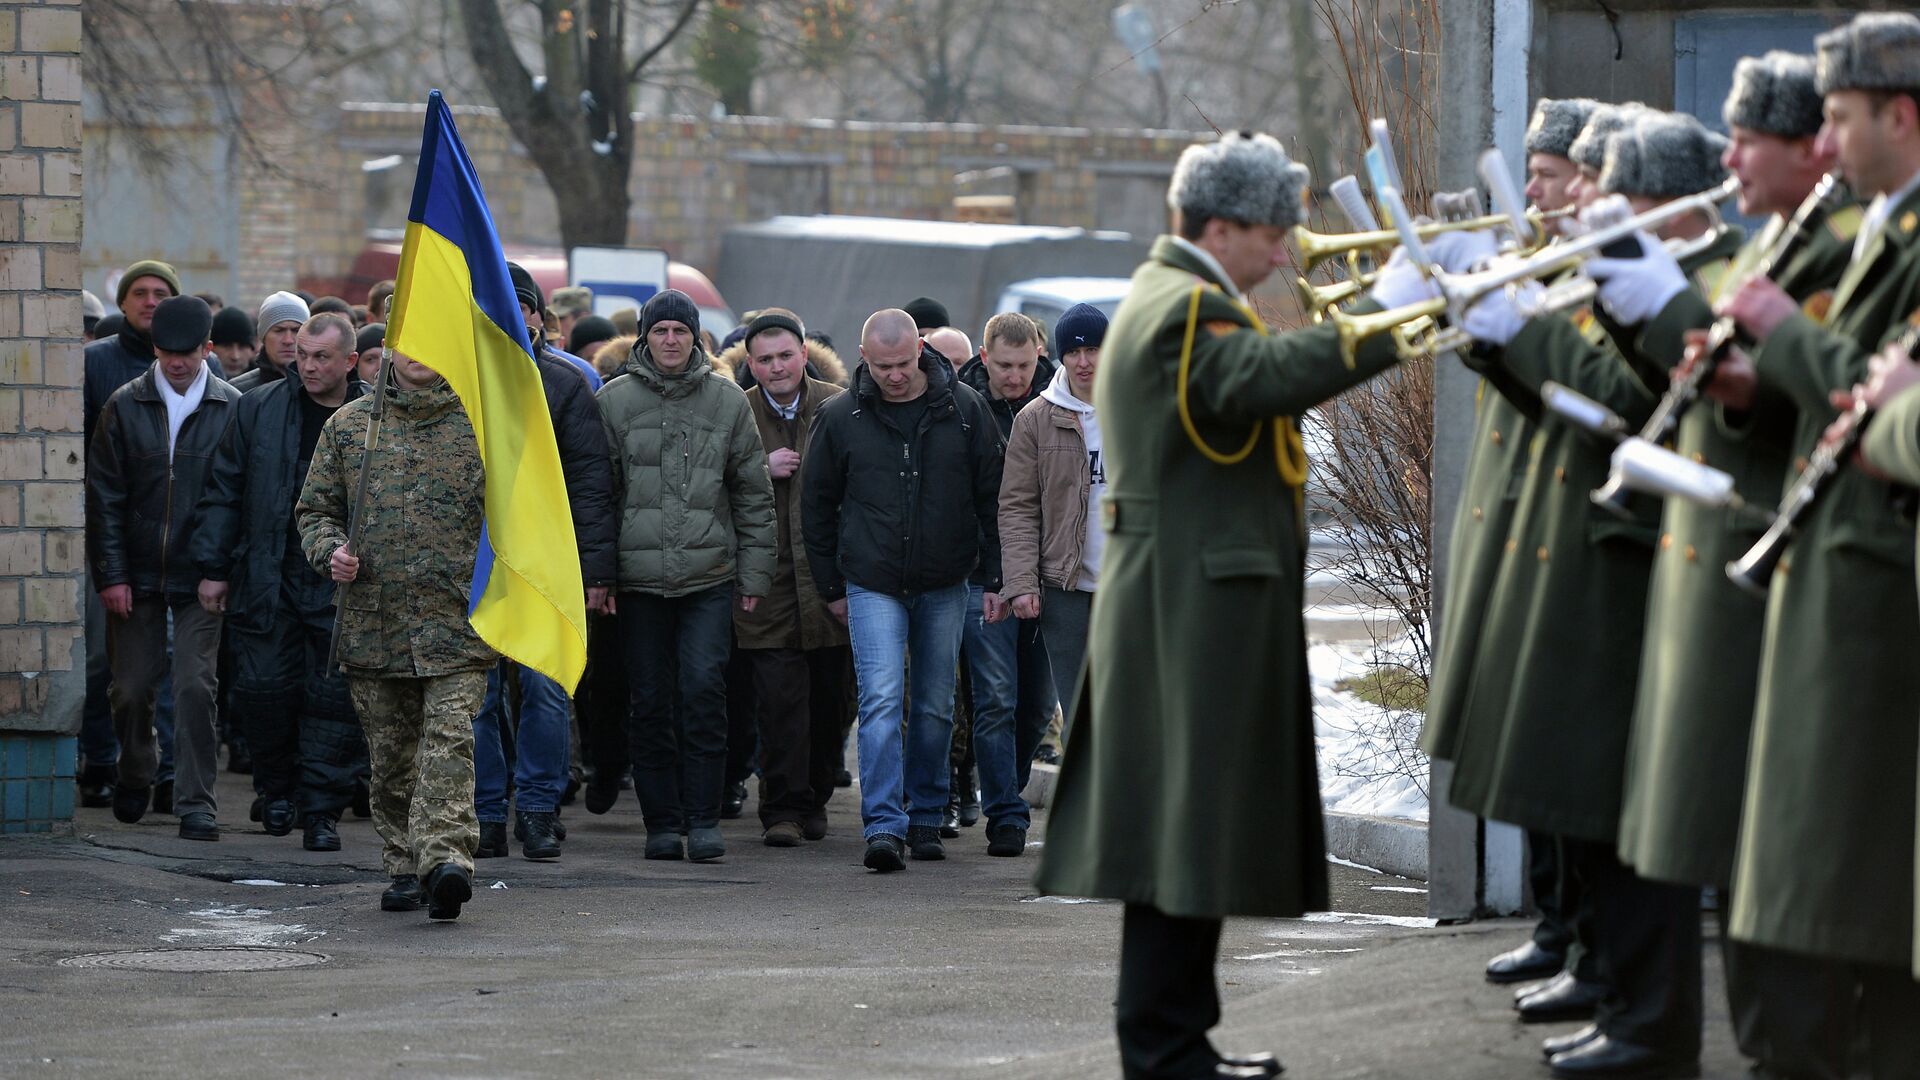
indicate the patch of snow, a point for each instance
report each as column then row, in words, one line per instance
column 1278, row 954
column 1354, row 865
column 239, row 926
column 268, row 882
column 1061, row 900
column 1367, row 765
column 1356, row 918
column 1398, row 888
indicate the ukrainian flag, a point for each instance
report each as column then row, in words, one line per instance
column 454, row 310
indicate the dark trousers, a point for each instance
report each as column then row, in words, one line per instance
column 138, row 646
column 678, row 755
column 1168, row 998
column 742, row 719
column 800, row 701
column 602, row 701
column 1033, row 708
column 1803, row 1017
column 1645, row 940
column 1554, row 932
column 297, row 714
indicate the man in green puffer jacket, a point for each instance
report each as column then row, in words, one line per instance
column 696, row 519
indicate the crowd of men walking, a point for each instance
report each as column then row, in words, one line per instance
column 766, row 541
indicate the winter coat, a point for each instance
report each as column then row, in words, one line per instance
column 262, row 373
column 903, row 512
column 1191, row 782
column 141, row 501
column 405, row 614
column 247, row 510
column 109, row 364
column 974, row 373
column 696, row 503
column 791, row 615
column 1699, row 668
column 582, row 440
column 1043, row 500
column 1831, row 774
column 823, row 365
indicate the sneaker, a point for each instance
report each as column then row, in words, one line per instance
column 448, row 887
column 783, row 834
column 321, row 834
column 705, row 844
column 493, row 841
column 664, row 846
column 924, row 842
column 1006, row 841
column 883, row 853
column 404, row 894
column 537, row 841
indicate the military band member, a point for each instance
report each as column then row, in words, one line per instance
column 1693, row 714
column 1562, row 644
column 1496, row 465
column 1202, row 573
column 1831, row 773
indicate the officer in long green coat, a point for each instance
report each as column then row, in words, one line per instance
column 1505, row 412
column 1190, row 791
column 1693, row 714
column 1831, row 772
column 1561, row 649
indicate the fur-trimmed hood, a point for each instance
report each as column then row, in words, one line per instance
column 822, row 363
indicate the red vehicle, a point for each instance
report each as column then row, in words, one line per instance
column 380, row 260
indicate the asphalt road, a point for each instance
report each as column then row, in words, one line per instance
column 773, row 963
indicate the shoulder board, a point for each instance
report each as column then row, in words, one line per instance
column 1844, row 223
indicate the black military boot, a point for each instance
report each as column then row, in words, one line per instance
column 537, row 841
column 405, row 894
column 493, row 841
column 448, row 887
column 321, row 834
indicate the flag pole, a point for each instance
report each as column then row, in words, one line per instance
column 357, row 517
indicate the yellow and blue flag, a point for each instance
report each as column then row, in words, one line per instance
column 454, row 310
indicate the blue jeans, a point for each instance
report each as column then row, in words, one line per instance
column 991, row 651
column 896, row 793
column 540, row 747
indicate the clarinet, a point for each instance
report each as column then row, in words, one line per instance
column 1754, row 570
column 1687, row 388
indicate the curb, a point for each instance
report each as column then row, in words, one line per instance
column 1389, row 844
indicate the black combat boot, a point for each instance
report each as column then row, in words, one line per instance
column 537, row 841
column 493, row 841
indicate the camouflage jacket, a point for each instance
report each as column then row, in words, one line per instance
column 406, row 613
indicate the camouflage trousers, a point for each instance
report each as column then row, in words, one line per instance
column 420, row 745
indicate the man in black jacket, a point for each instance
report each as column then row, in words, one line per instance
column 900, row 506
column 146, row 468
column 541, row 744
column 297, row 715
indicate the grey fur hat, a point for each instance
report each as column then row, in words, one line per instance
column 1556, row 123
column 1244, row 177
column 1774, row 94
column 1876, row 51
column 1589, row 149
column 1664, row 155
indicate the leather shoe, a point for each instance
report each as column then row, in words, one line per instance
column 1529, row 961
column 1522, row 993
column 321, row 834
column 1560, row 1044
column 665, row 845
column 163, row 797
column 950, row 822
column 493, row 841
column 198, row 825
column 883, row 854
column 1611, row 1059
column 705, row 844
column 1561, row 1001
column 783, row 834
column 1222, row 1070
column 1267, row 1063
column 130, row 803
column 733, row 801
column 924, row 842
column 814, row 828
column 405, row 894
column 277, row 817
column 447, row 887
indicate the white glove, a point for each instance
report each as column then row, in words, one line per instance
column 1400, row 283
column 1497, row 318
column 1459, row 252
column 1606, row 212
column 1635, row 290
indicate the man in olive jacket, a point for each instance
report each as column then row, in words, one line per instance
column 1203, row 573
column 696, row 520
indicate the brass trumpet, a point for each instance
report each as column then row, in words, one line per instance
column 1315, row 247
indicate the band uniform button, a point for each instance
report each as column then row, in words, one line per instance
column 1560, row 474
column 1699, row 458
column 1542, row 553
column 1513, row 545
column 1478, row 514
column 1666, row 541
column 1692, row 555
column 1496, row 438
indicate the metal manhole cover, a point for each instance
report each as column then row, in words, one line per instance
column 209, row 959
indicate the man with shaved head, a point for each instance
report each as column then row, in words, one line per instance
column 899, row 509
column 952, row 343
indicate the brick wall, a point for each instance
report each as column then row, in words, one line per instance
column 42, row 669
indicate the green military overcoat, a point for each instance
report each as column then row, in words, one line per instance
column 1693, row 714
column 1832, row 768
column 1191, row 783
column 1893, row 444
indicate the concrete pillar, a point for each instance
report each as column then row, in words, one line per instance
column 42, row 499
column 1474, row 868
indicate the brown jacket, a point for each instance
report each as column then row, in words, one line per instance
column 791, row 615
column 1043, row 500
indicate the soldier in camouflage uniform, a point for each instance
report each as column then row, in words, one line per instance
column 416, row 668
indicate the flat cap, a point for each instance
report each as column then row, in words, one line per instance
column 1876, row 51
column 1241, row 177
column 1775, row 94
column 181, row 324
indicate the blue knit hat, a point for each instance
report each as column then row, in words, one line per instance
column 1081, row 327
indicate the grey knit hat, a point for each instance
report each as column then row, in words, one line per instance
column 1664, row 155
column 1876, row 51
column 1774, row 94
column 281, row 307
column 1556, row 123
column 1243, row 177
column 1589, row 149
